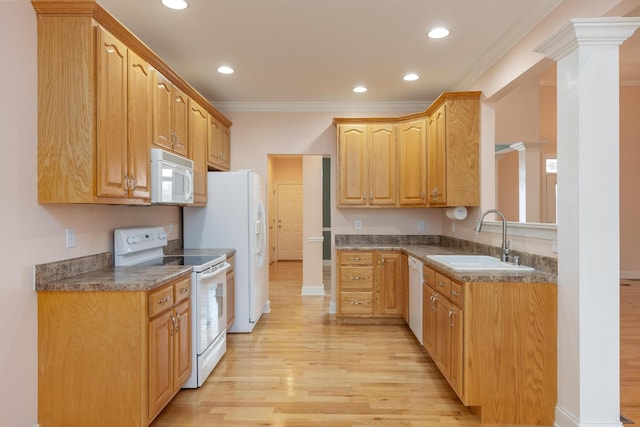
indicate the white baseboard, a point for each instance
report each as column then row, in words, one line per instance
column 566, row 419
column 333, row 309
column 312, row 290
column 630, row 274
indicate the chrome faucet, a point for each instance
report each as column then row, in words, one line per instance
column 505, row 243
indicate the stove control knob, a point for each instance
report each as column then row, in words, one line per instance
column 133, row 240
column 162, row 235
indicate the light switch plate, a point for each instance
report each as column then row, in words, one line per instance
column 421, row 225
column 358, row 224
column 70, row 235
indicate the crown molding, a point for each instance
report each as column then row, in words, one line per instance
column 324, row 107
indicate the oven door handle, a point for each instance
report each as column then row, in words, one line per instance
column 224, row 268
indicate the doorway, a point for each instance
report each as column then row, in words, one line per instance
column 288, row 222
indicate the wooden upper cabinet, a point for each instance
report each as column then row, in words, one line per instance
column 413, row 158
column 170, row 112
column 352, row 165
column 366, row 164
column 454, row 141
column 382, row 164
column 197, row 134
column 437, row 182
column 139, row 106
column 111, row 120
column 219, row 149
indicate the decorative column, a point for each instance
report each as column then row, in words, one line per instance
column 587, row 55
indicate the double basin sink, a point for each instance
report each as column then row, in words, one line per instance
column 477, row 263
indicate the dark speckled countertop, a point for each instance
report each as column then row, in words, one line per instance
column 97, row 273
column 422, row 251
column 134, row 278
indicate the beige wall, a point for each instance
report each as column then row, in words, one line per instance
column 286, row 169
column 629, row 179
column 35, row 234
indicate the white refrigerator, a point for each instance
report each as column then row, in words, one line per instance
column 235, row 217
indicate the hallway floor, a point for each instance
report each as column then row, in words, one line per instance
column 299, row 368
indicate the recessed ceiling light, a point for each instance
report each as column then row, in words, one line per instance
column 438, row 33
column 359, row 89
column 175, row 4
column 411, row 77
column 225, row 70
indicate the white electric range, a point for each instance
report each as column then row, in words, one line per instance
column 144, row 246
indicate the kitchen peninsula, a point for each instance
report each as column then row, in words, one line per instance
column 492, row 334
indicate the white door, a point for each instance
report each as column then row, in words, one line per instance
column 273, row 240
column 289, row 222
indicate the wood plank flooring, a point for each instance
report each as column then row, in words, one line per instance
column 300, row 369
column 630, row 350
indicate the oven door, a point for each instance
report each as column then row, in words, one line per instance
column 211, row 306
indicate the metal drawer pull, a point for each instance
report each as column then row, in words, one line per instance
column 356, row 303
column 441, row 284
column 357, row 278
column 356, row 258
column 163, row 300
column 455, row 293
column 183, row 290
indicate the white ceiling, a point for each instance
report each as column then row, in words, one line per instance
column 316, row 51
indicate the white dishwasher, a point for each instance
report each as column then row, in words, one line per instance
column 415, row 297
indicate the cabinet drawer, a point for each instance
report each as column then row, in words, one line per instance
column 182, row 289
column 356, row 278
column 356, row 258
column 443, row 285
column 160, row 300
column 428, row 276
column 356, row 303
column 456, row 294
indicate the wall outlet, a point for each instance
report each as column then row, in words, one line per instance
column 421, row 225
column 358, row 224
column 70, row 235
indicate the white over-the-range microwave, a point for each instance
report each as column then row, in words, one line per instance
column 171, row 178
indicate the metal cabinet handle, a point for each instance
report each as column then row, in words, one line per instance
column 135, row 183
column 451, row 322
column 441, row 284
column 455, row 293
column 356, row 302
column 179, row 322
column 383, row 260
column 183, row 290
column 173, row 320
column 356, row 258
column 163, row 300
column 357, row 278
column 370, row 195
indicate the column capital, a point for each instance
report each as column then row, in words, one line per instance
column 588, row 32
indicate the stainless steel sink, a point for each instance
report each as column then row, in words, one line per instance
column 476, row 263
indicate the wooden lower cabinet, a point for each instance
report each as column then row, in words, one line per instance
column 370, row 287
column 108, row 358
column 231, row 291
column 496, row 344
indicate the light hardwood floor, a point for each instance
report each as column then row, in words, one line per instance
column 300, row 369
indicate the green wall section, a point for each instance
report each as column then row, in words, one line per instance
column 326, row 207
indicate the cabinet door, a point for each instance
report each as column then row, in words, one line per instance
column 139, row 126
column 429, row 318
column 437, row 157
column 161, row 330
column 352, row 165
column 413, row 161
column 182, row 344
column 442, row 345
column 225, row 145
column 214, row 148
column 162, row 133
column 388, row 286
column 111, row 120
column 231, row 300
column 198, row 123
column 456, row 361
column 382, row 165
column 179, row 119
